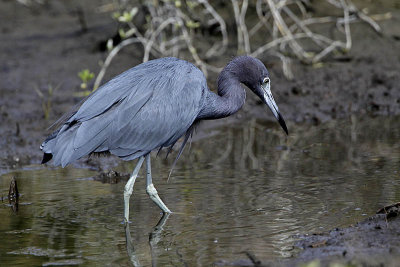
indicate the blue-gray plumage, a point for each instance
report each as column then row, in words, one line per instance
column 151, row 106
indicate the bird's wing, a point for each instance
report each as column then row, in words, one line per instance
column 148, row 106
column 125, row 85
column 172, row 108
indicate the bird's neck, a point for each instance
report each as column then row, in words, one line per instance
column 231, row 97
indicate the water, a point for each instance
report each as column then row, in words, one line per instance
column 245, row 188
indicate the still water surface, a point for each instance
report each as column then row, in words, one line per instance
column 245, row 188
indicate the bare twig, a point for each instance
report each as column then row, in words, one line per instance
column 109, row 58
column 216, row 50
column 281, row 25
column 283, row 30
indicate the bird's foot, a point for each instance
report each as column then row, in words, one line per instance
column 152, row 192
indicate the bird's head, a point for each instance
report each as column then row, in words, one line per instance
column 253, row 73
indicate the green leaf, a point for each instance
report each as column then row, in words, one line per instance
column 134, row 11
column 86, row 75
column 191, row 24
column 116, row 15
column 122, row 33
column 128, row 16
column 110, row 44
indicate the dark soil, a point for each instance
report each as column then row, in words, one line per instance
column 47, row 45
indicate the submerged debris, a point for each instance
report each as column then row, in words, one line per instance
column 13, row 195
column 390, row 211
column 111, row 177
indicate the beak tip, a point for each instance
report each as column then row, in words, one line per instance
column 282, row 123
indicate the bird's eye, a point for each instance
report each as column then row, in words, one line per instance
column 266, row 80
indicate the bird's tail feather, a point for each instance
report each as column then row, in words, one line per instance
column 188, row 135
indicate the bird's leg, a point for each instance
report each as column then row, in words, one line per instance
column 151, row 190
column 129, row 187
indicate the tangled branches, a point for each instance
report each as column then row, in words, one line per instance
column 198, row 30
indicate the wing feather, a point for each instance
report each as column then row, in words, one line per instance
column 167, row 115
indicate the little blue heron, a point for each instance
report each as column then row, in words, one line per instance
column 150, row 107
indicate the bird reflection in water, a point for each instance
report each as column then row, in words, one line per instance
column 154, row 239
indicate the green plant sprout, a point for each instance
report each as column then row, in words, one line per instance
column 46, row 98
column 86, row 76
column 126, row 16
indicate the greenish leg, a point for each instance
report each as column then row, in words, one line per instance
column 151, row 190
column 129, row 187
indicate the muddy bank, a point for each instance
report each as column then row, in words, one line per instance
column 371, row 242
column 45, row 46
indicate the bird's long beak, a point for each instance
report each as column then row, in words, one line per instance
column 269, row 100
